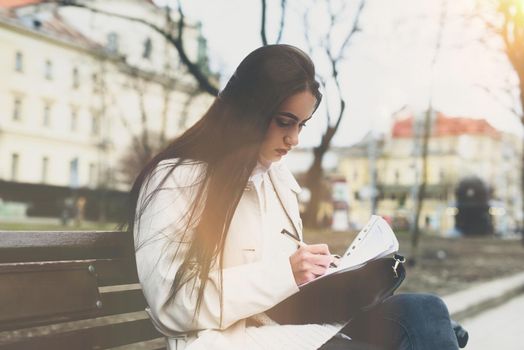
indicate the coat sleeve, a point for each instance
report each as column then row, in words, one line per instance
column 160, row 249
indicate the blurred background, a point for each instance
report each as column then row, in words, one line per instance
column 421, row 120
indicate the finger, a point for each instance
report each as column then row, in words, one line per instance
column 308, row 277
column 322, row 260
column 318, row 270
column 317, row 248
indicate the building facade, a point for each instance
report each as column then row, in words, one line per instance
column 458, row 148
column 82, row 92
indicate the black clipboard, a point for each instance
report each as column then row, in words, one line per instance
column 340, row 296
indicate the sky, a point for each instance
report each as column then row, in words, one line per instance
column 386, row 67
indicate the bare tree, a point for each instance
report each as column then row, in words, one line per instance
column 505, row 20
column 420, row 188
column 145, row 141
column 263, row 34
column 335, row 54
column 172, row 34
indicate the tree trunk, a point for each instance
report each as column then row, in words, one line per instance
column 314, row 184
column 421, row 193
column 521, row 95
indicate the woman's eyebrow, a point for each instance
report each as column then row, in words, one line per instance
column 292, row 116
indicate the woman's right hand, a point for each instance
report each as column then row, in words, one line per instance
column 309, row 262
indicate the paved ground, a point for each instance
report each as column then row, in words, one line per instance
column 498, row 328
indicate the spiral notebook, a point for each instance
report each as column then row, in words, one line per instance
column 374, row 241
column 365, row 275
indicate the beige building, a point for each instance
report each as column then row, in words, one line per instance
column 458, row 148
column 80, row 91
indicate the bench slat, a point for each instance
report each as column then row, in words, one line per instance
column 18, row 246
column 101, row 337
column 115, row 272
column 121, row 302
column 32, row 292
column 64, row 297
column 155, row 344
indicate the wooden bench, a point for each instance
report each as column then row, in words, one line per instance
column 72, row 290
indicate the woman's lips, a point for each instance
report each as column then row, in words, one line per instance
column 281, row 151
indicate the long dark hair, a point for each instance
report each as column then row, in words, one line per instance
column 226, row 140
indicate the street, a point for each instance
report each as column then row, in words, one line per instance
column 498, row 328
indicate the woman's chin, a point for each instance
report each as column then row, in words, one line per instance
column 266, row 161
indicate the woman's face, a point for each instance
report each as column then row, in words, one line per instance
column 285, row 127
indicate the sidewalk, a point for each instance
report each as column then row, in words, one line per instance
column 470, row 302
column 497, row 328
column 491, row 312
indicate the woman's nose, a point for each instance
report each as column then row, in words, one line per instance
column 291, row 139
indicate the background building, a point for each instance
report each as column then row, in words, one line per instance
column 85, row 97
column 458, row 148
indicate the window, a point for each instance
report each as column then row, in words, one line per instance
column 74, row 119
column 17, row 109
column 48, row 70
column 441, row 175
column 96, row 82
column 148, row 47
column 45, row 166
column 46, row 119
column 19, row 62
column 92, row 174
column 15, row 159
column 402, row 200
column 76, row 78
column 73, row 173
column 95, row 125
column 112, row 42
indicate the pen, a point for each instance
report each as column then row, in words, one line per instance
column 302, row 244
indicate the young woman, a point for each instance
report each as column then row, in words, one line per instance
column 207, row 216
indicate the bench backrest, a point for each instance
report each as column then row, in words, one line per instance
column 71, row 290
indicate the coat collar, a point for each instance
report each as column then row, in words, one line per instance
column 283, row 181
column 279, row 171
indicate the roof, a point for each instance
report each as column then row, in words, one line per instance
column 20, row 3
column 57, row 26
column 447, row 126
column 52, row 24
column 17, row 3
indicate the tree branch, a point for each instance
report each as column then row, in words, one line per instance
column 263, row 23
column 282, row 18
column 492, row 94
column 193, row 68
column 354, row 29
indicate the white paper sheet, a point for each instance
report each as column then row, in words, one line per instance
column 374, row 241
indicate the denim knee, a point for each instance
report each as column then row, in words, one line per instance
column 425, row 319
column 417, row 307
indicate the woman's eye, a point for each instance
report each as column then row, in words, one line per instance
column 283, row 122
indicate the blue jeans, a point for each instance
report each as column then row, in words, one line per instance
column 401, row 322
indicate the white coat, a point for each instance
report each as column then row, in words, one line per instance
column 254, row 279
